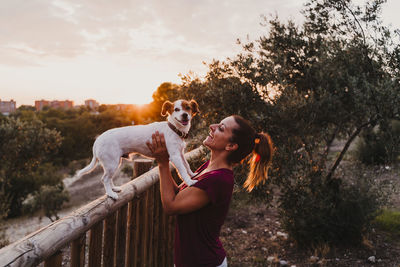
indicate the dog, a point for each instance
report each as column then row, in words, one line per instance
column 112, row 145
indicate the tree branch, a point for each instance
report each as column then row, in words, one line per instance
column 346, row 147
column 355, row 18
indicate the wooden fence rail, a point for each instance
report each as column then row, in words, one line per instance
column 130, row 231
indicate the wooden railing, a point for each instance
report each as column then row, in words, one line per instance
column 130, row 231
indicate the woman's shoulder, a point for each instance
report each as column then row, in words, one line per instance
column 217, row 183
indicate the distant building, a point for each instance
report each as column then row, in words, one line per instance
column 91, row 103
column 40, row 104
column 7, row 107
column 62, row 104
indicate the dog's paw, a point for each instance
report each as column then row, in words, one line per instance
column 112, row 195
column 116, row 189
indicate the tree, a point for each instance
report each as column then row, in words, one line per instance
column 24, row 146
column 332, row 77
column 166, row 91
column 49, row 200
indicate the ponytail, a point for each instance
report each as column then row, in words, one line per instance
column 260, row 162
column 260, row 144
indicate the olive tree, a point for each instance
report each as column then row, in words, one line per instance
column 24, row 147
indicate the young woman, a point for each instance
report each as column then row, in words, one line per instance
column 202, row 208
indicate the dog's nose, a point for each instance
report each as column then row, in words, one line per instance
column 185, row 116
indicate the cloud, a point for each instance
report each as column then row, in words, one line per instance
column 149, row 29
column 155, row 28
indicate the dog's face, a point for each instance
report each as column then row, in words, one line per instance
column 180, row 112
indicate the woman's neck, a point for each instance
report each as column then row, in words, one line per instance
column 218, row 161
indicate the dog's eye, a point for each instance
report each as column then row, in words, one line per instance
column 177, row 109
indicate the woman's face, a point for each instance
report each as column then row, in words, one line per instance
column 220, row 134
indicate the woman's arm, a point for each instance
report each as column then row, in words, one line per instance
column 185, row 201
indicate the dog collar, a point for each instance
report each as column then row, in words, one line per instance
column 180, row 133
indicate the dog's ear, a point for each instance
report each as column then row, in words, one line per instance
column 195, row 107
column 167, row 107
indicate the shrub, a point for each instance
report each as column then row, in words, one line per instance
column 127, row 169
column 49, row 200
column 26, row 151
column 389, row 221
column 380, row 145
column 4, row 208
column 315, row 210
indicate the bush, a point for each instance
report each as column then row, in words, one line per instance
column 4, row 208
column 389, row 221
column 49, row 200
column 26, row 149
column 380, row 145
column 315, row 210
column 127, row 169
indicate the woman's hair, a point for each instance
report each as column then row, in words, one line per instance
column 261, row 147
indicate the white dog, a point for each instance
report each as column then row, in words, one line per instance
column 113, row 144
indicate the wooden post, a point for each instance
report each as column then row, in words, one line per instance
column 144, row 225
column 95, row 244
column 171, row 234
column 156, row 225
column 131, row 235
column 109, row 240
column 135, row 227
column 54, row 261
column 78, row 251
column 139, row 234
column 150, row 214
column 141, row 166
column 163, row 238
column 121, row 236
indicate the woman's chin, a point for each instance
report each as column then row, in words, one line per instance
column 207, row 142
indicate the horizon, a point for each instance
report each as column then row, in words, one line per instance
column 75, row 104
column 120, row 52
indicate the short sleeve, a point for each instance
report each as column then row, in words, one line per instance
column 218, row 185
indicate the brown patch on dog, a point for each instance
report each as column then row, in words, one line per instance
column 167, row 107
column 195, row 107
column 191, row 106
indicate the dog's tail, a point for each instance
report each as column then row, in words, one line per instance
column 88, row 168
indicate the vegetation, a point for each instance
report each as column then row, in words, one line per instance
column 127, row 170
column 380, row 146
column 28, row 146
column 389, row 220
column 48, row 200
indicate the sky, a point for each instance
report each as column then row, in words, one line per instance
column 120, row 51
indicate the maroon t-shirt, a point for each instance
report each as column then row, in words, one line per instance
column 197, row 233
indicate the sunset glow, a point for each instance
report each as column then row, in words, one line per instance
column 121, row 51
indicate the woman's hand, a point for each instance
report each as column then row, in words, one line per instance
column 158, row 148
